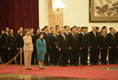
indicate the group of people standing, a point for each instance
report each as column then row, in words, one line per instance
column 74, row 46
column 10, row 45
column 61, row 46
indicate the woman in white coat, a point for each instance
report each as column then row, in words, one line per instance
column 28, row 49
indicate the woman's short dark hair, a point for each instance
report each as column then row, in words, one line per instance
column 104, row 27
column 40, row 33
column 65, row 26
column 45, row 27
column 73, row 27
column 97, row 28
column 110, row 28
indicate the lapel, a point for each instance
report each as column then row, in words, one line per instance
column 72, row 36
column 63, row 37
column 94, row 34
column 112, row 36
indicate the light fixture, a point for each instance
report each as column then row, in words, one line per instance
column 58, row 4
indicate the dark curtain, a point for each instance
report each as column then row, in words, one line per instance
column 16, row 13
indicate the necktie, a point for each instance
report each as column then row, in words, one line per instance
column 95, row 34
column 64, row 37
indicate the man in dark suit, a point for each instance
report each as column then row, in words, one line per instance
column 98, row 29
column 103, row 45
column 62, row 47
column 0, row 47
column 11, row 45
column 73, row 46
column 94, row 46
column 19, row 42
column 112, row 46
column 36, row 36
column 67, row 32
column 79, row 37
column 117, row 45
column 48, row 42
column 83, row 46
column 4, row 46
column 54, row 47
column 98, row 51
column 1, row 51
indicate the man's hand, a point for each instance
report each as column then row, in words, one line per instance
column 8, row 48
column 80, row 48
column 59, row 49
column 18, row 49
column 4, row 47
column 56, row 46
column 89, row 46
column 109, row 47
column 70, row 48
column 100, row 48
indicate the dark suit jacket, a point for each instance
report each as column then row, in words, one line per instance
column 103, row 42
column 93, row 40
column 117, row 38
column 67, row 38
column 0, row 45
column 73, row 41
column 83, row 41
column 54, row 41
column 3, row 39
column 47, row 38
column 33, row 40
column 11, row 42
column 112, row 40
column 62, row 43
column 19, row 41
column 0, row 41
column 36, row 36
column 79, row 39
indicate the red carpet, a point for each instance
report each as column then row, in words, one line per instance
column 75, row 72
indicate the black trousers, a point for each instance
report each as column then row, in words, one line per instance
column 34, row 56
column 94, row 55
column 54, row 57
column 98, row 53
column 11, row 55
column 117, row 55
column 84, row 56
column 79, row 55
column 4, row 55
column 67, row 57
column 103, row 56
column 62, row 57
column 47, row 57
column 112, row 55
column 52, row 51
column 0, row 51
column 74, row 57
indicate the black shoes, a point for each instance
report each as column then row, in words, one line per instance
column 28, row 68
column 41, row 68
